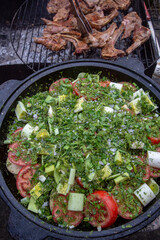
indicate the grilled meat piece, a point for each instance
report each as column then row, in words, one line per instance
column 53, row 42
column 62, row 14
column 99, row 39
column 107, row 4
column 85, row 7
column 140, row 35
column 53, row 28
column 91, row 3
column 123, row 4
column 79, row 45
column 54, row 5
column 109, row 51
column 129, row 21
column 71, row 22
column 98, row 20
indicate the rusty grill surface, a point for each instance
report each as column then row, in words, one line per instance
column 27, row 24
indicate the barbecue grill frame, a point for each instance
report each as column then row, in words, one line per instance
column 147, row 53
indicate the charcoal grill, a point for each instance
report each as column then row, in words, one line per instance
column 27, row 24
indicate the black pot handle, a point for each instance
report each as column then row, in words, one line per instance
column 6, row 89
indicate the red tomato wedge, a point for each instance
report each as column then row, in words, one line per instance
column 56, row 84
column 62, row 215
column 129, row 206
column 155, row 172
column 101, row 208
column 145, row 168
column 16, row 133
column 128, row 85
column 17, row 156
column 105, row 83
column 154, row 140
column 79, row 182
column 24, row 178
column 77, row 91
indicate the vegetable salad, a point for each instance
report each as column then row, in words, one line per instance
column 86, row 151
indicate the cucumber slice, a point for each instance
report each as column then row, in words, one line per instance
column 138, row 93
column 121, row 178
column 76, row 202
column 153, row 159
column 49, row 169
column 72, row 176
column 135, row 105
column 27, row 131
column 144, row 194
column 153, row 186
column 118, row 158
column 37, row 191
column 32, row 205
column 20, row 111
column 116, row 85
column 43, row 133
column 63, row 188
column 12, row 168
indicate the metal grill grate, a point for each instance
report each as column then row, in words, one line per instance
column 27, row 24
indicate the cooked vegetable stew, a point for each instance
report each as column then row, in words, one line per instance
column 85, row 151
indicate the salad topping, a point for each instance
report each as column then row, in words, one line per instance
column 81, row 148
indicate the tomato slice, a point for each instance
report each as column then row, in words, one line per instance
column 77, row 91
column 16, row 133
column 62, row 215
column 56, row 84
column 18, row 156
column 129, row 206
column 24, row 178
column 154, row 140
column 101, row 209
column 128, row 85
column 105, row 83
column 146, row 169
column 79, row 182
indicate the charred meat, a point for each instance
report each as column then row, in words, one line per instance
column 129, row 22
column 99, row 39
column 109, row 51
column 98, row 20
column 140, row 35
column 123, row 4
column 53, row 42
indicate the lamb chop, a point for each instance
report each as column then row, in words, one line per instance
column 53, row 28
column 109, row 51
column 53, row 42
column 62, row 14
column 54, row 5
column 98, row 20
column 91, row 3
column 140, row 35
column 107, row 4
column 79, row 45
column 123, row 4
column 129, row 21
column 99, row 39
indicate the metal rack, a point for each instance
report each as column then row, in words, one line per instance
column 27, row 24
